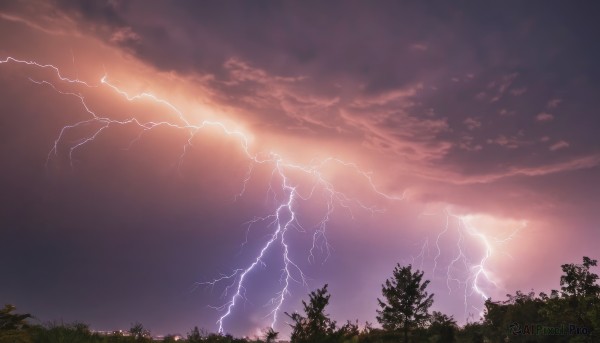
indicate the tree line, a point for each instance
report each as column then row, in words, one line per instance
column 571, row 314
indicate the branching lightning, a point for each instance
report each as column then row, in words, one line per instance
column 284, row 216
column 478, row 275
column 282, row 219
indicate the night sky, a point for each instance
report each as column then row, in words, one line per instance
column 149, row 148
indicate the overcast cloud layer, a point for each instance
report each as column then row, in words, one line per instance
column 487, row 111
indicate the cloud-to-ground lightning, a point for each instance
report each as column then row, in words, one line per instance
column 284, row 216
column 475, row 270
column 282, row 219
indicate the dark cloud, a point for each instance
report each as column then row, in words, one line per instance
column 488, row 108
column 104, row 12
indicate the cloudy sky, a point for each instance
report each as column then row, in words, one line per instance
column 150, row 150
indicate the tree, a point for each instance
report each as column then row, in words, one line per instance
column 506, row 318
column 442, row 327
column 271, row 335
column 138, row 332
column 12, row 321
column 13, row 326
column 472, row 332
column 578, row 281
column 316, row 326
column 347, row 332
column 197, row 335
column 580, row 294
column 407, row 301
column 578, row 304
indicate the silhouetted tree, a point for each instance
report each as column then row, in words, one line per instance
column 501, row 318
column 12, row 321
column 13, row 326
column 581, row 295
column 316, row 326
column 271, row 335
column 578, row 303
column 578, row 281
column 472, row 333
column 196, row 335
column 347, row 332
column 407, row 301
column 138, row 332
column 442, row 328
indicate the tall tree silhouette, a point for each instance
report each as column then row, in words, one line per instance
column 581, row 294
column 407, row 302
column 578, row 281
column 316, row 326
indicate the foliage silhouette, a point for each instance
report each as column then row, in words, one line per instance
column 316, row 326
column 569, row 315
column 196, row 336
column 139, row 333
column 442, row 328
column 406, row 302
column 271, row 335
column 578, row 281
column 515, row 319
column 13, row 326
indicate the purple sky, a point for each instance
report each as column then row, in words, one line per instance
column 462, row 138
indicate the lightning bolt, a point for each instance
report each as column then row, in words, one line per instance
column 476, row 275
column 287, row 195
column 283, row 218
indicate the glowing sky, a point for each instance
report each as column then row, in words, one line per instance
column 452, row 135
